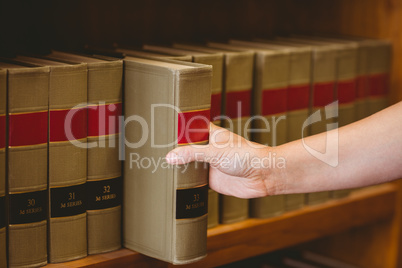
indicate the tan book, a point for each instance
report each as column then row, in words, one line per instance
column 152, row 55
column 271, row 80
column 374, row 64
column 323, row 77
column 379, row 74
column 362, row 102
column 3, row 215
column 104, row 181
column 346, row 77
column 27, row 164
column 298, row 91
column 346, row 73
column 298, row 103
column 67, row 165
column 213, row 59
column 238, row 82
column 165, row 207
column 216, row 61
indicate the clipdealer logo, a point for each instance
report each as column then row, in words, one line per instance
column 331, row 154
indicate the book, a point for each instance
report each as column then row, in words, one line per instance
column 379, row 63
column 238, row 82
column 213, row 59
column 269, row 110
column 323, row 79
column 324, row 83
column 345, row 87
column 27, row 164
column 67, row 219
column 362, row 108
column 298, row 101
column 165, row 206
column 346, row 76
column 151, row 55
column 216, row 61
column 104, row 181
column 3, row 215
column 373, row 66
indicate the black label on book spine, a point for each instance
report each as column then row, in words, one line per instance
column 192, row 202
column 2, row 212
column 104, row 193
column 28, row 207
column 67, row 201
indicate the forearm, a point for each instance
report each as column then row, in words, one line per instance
column 369, row 152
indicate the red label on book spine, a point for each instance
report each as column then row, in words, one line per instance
column 238, row 104
column 68, row 125
column 298, row 97
column 378, row 84
column 2, row 131
column 103, row 120
column 27, row 129
column 323, row 94
column 362, row 87
column 216, row 100
column 193, row 126
column 274, row 101
column 346, row 91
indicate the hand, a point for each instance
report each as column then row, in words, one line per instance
column 237, row 167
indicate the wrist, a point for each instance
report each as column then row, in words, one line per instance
column 274, row 171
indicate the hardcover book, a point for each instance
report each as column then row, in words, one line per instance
column 3, row 215
column 379, row 74
column 104, row 181
column 298, row 101
column 152, row 55
column 216, row 61
column 346, row 74
column 323, row 73
column 238, row 82
column 213, row 59
column 27, row 156
column 67, row 232
column 271, row 78
column 345, row 89
column 165, row 207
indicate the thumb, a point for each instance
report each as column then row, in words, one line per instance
column 189, row 153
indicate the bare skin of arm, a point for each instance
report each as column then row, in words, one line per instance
column 368, row 152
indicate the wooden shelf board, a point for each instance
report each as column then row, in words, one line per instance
column 238, row 241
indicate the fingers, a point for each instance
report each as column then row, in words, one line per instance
column 185, row 154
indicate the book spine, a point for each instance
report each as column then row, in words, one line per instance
column 346, row 94
column 238, row 82
column 216, row 110
column 67, row 163
column 271, row 78
column 322, row 94
column 27, row 166
column 104, row 183
column 362, row 82
column 193, row 99
column 379, row 68
column 298, row 105
column 3, row 111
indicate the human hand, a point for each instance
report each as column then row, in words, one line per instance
column 238, row 167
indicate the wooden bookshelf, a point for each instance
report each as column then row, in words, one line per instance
column 238, row 241
column 363, row 229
